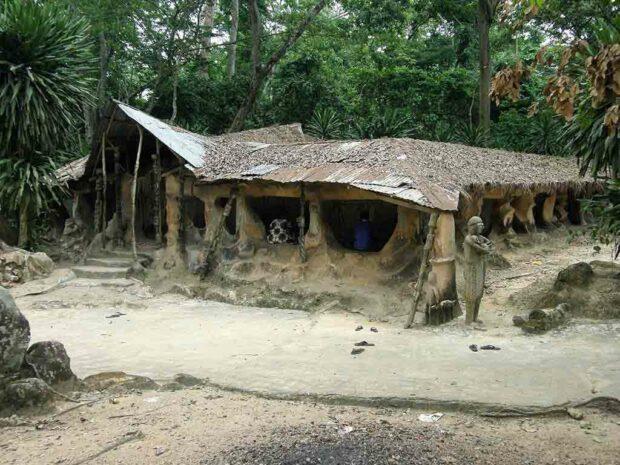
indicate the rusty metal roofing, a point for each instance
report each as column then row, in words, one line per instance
column 193, row 148
column 427, row 173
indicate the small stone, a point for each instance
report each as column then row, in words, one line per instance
column 187, row 380
column 359, row 328
column 357, row 351
column 574, row 413
column 374, row 330
column 159, row 451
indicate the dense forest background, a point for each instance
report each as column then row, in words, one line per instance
column 362, row 68
column 539, row 76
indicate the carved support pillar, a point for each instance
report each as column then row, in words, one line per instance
column 317, row 229
column 548, row 209
column 157, row 196
column 98, row 202
column 524, row 211
column 118, row 202
column 182, row 239
column 442, row 282
column 249, row 227
column 173, row 212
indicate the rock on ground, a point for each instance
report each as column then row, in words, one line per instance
column 28, row 392
column 18, row 265
column 50, row 362
column 14, row 334
column 118, row 381
column 187, row 380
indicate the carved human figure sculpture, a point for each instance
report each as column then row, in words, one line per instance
column 475, row 247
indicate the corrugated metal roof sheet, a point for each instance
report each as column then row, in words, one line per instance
column 187, row 145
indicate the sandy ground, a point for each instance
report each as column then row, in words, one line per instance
column 160, row 335
column 207, row 426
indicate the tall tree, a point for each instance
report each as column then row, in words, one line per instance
column 231, row 65
column 486, row 13
column 260, row 72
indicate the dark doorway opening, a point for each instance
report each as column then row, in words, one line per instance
column 539, row 202
column 269, row 209
column 346, row 219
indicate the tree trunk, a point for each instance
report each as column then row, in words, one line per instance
column 485, row 10
column 231, row 66
column 134, row 188
column 24, row 217
column 206, row 20
column 175, row 94
column 261, row 72
column 104, row 65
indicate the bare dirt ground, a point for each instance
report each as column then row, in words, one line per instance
column 206, row 425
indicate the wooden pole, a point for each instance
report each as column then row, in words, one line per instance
column 206, row 266
column 157, row 220
column 104, row 209
column 424, row 268
column 118, row 203
column 302, row 225
column 133, row 196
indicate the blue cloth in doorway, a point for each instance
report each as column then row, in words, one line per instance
column 362, row 236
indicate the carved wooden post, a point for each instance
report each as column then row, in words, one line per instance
column 157, row 194
column 104, row 212
column 98, row 210
column 133, row 195
column 302, row 226
column 118, row 202
column 182, row 239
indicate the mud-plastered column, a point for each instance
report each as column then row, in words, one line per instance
column 173, row 213
column 548, row 209
column 316, row 235
column 126, row 183
column 407, row 224
column 443, row 263
column 524, row 211
column 249, row 227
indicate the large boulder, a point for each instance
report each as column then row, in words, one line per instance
column 578, row 274
column 18, row 265
column 28, row 392
column 14, row 335
column 50, row 362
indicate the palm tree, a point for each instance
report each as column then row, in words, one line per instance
column 46, row 77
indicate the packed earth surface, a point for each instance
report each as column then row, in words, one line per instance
column 284, row 386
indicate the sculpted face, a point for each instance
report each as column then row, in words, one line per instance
column 475, row 226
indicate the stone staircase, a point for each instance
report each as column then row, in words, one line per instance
column 109, row 265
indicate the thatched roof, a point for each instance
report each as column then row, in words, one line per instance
column 430, row 174
column 281, row 134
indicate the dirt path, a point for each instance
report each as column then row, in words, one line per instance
column 165, row 334
column 207, row 426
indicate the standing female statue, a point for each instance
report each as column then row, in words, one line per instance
column 476, row 247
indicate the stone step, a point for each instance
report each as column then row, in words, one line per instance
column 113, row 262
column 122, row 253
column 100, row 272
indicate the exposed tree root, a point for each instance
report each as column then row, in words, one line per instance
column 563, row 409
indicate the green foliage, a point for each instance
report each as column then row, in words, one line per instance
column 46, row 83
column 606, row 208
column 325, row 124
column 45, row 75
column 28, row 179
